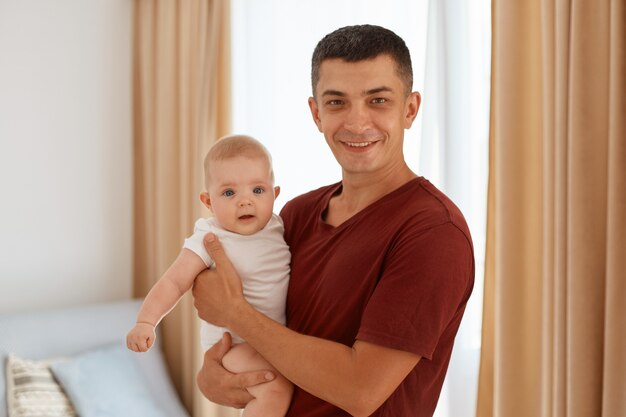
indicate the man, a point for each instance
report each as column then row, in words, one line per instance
column 382, row 262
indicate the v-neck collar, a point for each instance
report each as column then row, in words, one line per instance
column 336, row 189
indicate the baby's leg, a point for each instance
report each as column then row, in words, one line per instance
column 271, row 399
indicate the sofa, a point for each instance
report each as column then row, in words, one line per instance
column 89, row 360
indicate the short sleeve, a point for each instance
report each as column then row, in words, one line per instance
column 426, row 281
column 195, row 242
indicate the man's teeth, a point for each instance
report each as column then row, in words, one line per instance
column 358, row 144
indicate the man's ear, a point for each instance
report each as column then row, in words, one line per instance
column 206, row 199
column 315, row 112
column 412, row 107
column 276, row 191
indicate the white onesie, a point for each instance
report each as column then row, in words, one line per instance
column 262, row 261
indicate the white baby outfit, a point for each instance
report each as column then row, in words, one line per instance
column 262, row 261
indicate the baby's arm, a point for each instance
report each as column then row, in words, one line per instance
column 162, row 298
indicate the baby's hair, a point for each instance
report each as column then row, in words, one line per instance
column 233, row 146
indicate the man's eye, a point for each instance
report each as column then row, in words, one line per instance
column 379, row 100
column 258, row 190
column 228, row 193
column 334, row 102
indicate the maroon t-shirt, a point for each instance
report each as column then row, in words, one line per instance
column 396, row 274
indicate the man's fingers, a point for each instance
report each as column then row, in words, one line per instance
column 219, row 385
column 226, row 342
column 215, row 250
column 250, row 379
column 238, row 398
column 218, row 350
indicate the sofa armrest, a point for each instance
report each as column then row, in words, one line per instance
column 71, row 331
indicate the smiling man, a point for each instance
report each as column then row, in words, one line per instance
column 382, row 262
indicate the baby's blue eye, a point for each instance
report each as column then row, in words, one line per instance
column 258, row 190
column 228, row 193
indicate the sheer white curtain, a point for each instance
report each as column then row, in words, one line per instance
column 272, row 45
column 454, row 156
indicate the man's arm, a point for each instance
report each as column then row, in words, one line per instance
column 357, row 379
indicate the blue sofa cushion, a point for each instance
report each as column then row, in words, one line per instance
column 106, row 382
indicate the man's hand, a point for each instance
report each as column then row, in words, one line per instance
column 223, row 387
column 217, row 292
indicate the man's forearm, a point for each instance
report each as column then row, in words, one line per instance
column 349, row 377
column 357, row 379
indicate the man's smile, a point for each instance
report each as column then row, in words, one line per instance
column 358, row 144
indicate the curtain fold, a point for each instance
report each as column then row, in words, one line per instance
column 614, row 366
column 554, row 334
column 181, row 105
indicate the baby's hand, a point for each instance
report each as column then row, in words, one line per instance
column 141, row 337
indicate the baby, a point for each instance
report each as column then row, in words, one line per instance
column 240, row 193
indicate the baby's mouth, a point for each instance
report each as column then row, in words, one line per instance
column 246, row 217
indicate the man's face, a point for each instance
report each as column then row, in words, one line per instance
column 241, row 194
column 362, row 110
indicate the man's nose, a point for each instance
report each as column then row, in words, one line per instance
column 357, row 119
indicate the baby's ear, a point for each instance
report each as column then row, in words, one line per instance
column 206, row 200
column 276, row 191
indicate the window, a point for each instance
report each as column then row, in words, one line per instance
column 272, row 45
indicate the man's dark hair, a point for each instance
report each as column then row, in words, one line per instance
column 360, row 43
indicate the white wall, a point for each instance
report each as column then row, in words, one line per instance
column 65, row 152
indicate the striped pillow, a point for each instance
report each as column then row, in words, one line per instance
column 32, row 391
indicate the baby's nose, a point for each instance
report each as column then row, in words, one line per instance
column 245, row 202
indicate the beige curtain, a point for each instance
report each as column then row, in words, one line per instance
column 181, row 106
column 554, row 330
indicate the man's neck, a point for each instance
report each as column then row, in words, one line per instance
column 359, row 191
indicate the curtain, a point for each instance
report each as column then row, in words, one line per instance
column 554, row 334
column 181, row 105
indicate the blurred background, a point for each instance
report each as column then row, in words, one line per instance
column 108, row 106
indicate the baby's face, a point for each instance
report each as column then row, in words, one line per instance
column 241, row 194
